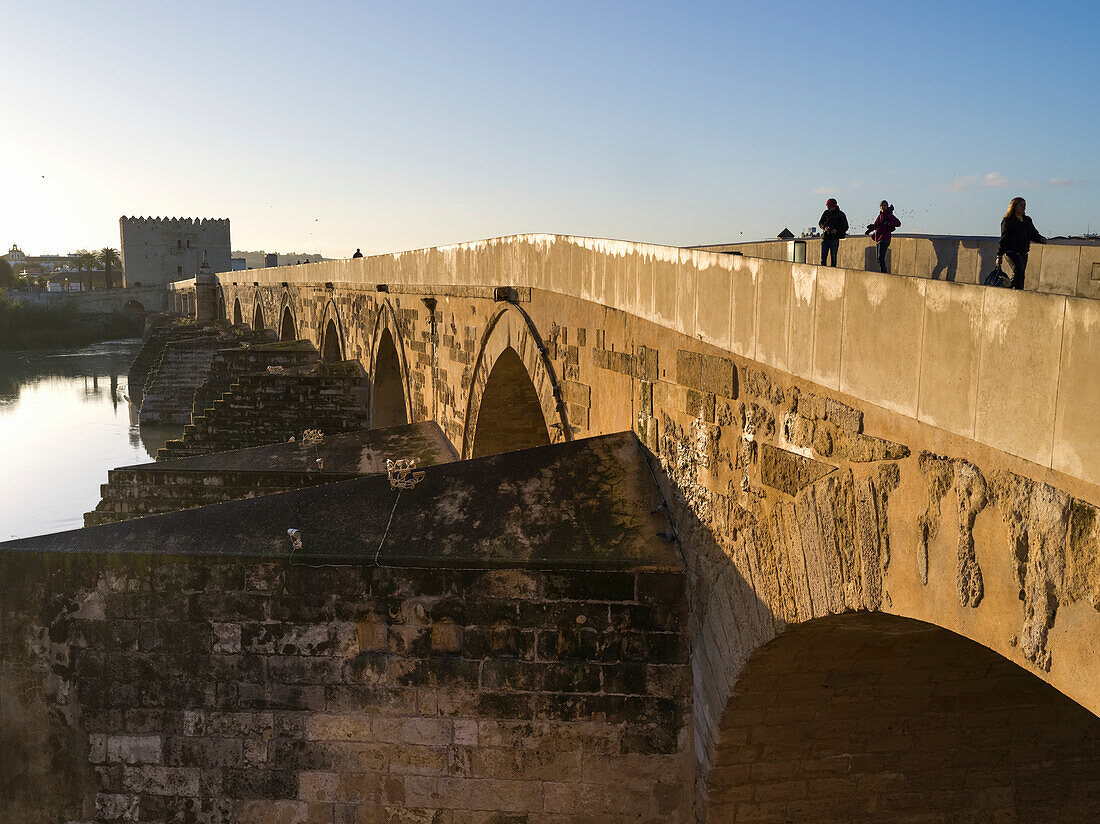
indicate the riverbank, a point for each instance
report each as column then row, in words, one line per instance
column 34, row 326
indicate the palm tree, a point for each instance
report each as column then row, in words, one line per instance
column 108, row 257
column 84, row 260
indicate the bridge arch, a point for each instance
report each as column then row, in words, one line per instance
column 872, row 717
column 511, row 341
column 331, row 335
column 238, row 316
column 288, row 328
column 390, row 402
column 258, row 315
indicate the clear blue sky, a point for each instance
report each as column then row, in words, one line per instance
column 324, row 126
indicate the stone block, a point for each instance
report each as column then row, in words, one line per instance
column 1076, row 438
column 800, row 346
column 743, row 314
column 880, row 348
column 134, row 749
column 773, row 313
column 712, row 312
column 828, row 314
column 1021, row 343
column 446, row 638
column 949, row 356
column 1057, row 269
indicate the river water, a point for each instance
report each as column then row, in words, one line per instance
column 65, row 421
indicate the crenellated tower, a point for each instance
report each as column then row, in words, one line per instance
column 158, row 250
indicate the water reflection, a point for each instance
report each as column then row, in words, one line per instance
column 64, row 421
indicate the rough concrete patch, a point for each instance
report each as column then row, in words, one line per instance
column 868, row 540
column 1013, row 496
column 1083, row 554
column 889, row 476
column 970, row 487
column 823, row 441
column 938, row 476
column 824, row 494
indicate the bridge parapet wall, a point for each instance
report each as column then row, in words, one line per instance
column 1061, row 267
column 1012, row 370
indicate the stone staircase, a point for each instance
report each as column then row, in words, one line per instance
column 134, row 492
column 272, row 407
column 228, row 365
column 170, row 387
column 169, row 486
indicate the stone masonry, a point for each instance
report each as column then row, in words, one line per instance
column 379, row 672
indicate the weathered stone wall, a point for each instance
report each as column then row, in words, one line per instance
column 170, row 387
column 217, row 690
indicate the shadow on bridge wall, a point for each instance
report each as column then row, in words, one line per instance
column 870, row 717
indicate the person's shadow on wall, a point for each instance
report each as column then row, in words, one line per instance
column 946, row 263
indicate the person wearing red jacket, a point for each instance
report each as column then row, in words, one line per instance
column 883, row 229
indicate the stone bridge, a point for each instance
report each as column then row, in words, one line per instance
column 834, row 442
column 102, row 301
column 884, row 491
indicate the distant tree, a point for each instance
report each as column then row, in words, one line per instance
column 7, row 276
column 108, row 258
column 85, row 261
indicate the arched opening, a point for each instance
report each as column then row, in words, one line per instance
column 134, row 306
column 258, row 318
column 871, row 718
column 510, row 415
column 238, row 316
column 286, row 328
column 331, row 348
column 388, row 396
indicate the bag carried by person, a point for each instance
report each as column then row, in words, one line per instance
column 998, row 278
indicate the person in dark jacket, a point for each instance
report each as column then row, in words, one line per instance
column 834, row 226
column 882, row 230
column 1017, row 235
column 357, row 254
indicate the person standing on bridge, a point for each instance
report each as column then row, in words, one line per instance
column 883, row 229
column 357, row 254
column 834, row 226
column 1017, row 235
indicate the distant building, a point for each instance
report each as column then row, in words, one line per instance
column 237, row 264
column 262, row 259
column 160, row 250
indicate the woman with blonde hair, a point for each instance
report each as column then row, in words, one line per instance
column 1017, row 235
